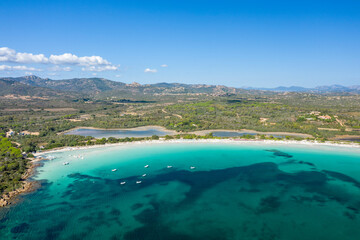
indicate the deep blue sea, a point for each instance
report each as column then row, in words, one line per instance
column 244, row 191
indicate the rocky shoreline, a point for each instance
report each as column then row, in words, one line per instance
column 27, row 186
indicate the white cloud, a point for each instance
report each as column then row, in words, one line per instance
column 148, row 70
column 28, row 73
column 10, row 55
column 5, row 53
column 24, row 68
column 164, row 65
column 17, row 68
column 100, row 68
column 118, row 75
column 68, row 58
column 60, row 69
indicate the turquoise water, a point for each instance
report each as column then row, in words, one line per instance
column 104, row 133
column 236, row 191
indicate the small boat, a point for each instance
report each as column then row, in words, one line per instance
column 146, row 166
column 192, row 167
column 169, row 166
column 114, row 170
column 138, row 182
column 144, row 175
column 66, row 163
column 122, row 183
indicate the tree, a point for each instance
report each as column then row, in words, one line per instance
column 155, row 137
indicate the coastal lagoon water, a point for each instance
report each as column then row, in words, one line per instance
column 105, row 133
column 236, row 191
column 149, row 131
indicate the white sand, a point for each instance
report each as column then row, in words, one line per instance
column 232, row 141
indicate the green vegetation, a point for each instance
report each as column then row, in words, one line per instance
column 273, row 113
column 51, row 107
column 36, row 123
column 34, row 112
column 12, row 166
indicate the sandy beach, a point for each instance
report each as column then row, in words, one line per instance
column 229, row 141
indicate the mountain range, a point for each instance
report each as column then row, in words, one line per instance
column 320, row 89
column 34, row 85
column 104, row 87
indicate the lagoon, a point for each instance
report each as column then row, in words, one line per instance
column 149, row 131
column 247, row 190
column 120, row 133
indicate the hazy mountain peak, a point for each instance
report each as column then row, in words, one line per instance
column 134, row 84
column 102, row 85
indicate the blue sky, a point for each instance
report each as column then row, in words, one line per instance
column 234, row 43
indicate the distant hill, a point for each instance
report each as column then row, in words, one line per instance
column 10, row 87
column 320, row 89
column 96, row 86
column 101, row 88
column 82, row 85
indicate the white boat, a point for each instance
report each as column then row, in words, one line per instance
column 122, row 183
column 169, row 167
column 192, row 167
column 66, row 163
column 138, row 182
column 144, row 175
column 114, row 170
column 146, row 166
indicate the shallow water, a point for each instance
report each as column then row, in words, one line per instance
column 104, row 133
column 236, row 191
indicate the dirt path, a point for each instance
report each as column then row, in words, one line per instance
column 340, row 122
column 176, row 115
